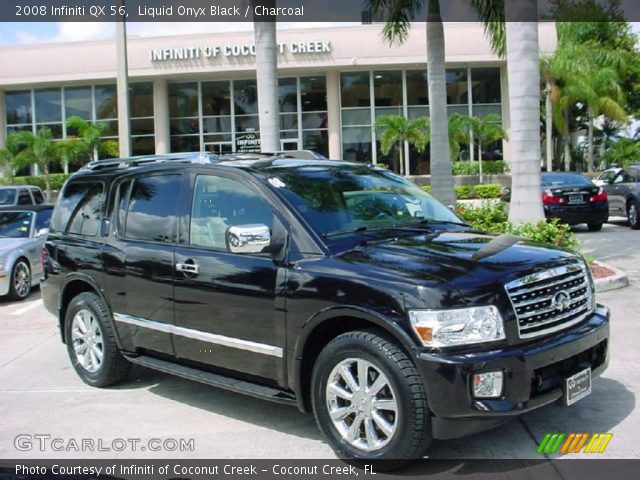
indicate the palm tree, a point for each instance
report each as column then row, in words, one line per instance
column 399, row 15
column 9, row 154
column 90, row 134
column 486, row 130
column 267, row 79
column 37, row 149
column 459, row 134
column 396, row 130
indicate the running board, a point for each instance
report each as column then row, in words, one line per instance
column 215, row 380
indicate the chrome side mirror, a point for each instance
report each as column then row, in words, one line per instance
column 248, row 238
column 43, row 232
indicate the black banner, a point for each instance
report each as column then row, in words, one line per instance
column 301, row 11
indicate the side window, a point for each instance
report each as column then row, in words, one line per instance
column 634, row 176
column 152, row 208
column 620, row 177
column 24, row 198
column 219, row 203
column 43, row 219
column 80, row 209
column 37, row 196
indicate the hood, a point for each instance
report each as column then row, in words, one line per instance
column 8, row 244
column 457, row 261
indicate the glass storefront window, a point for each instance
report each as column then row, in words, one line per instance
column 77, row 102
column 216, row 124
column 288, row 95
column 183, row 100
column 356, row 144
column 417, row 87
column 48, row 105
column 355, row 89
column 316, row 140
column 141, row 99
column 245, row 97
column 387, row 89
column 457, row 86
column 313, row 94
column 216, row 98
column 486, row 85
column 18, row 105
column 106, row 101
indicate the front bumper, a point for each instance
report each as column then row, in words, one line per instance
column 533, row 376
column 5, row 282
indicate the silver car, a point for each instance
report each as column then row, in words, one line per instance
column 23, row 231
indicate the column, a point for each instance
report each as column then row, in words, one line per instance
column 3, row 127
column 161, row 115
column 122, row 79
column 333, row 114
column 506, row 114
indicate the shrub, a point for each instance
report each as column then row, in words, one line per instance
column 463, row 192
column 493, row 218
column 57, row 180
column 490, row 190
column 472, row 168
column 427, row 188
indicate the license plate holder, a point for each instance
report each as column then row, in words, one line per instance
column 576, row 199
column 577, row 386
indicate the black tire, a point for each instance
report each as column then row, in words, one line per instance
column 17, row 289
column 412, row 421
column 594, row 227
column 633, row 214
column 113, row 367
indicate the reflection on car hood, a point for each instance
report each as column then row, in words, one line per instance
column 8, row 244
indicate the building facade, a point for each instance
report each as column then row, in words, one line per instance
column 198, row 92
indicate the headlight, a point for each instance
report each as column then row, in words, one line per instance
column 463, row 326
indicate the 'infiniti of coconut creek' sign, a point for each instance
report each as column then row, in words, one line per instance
column 235, row 50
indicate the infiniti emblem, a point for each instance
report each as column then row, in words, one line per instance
column 561, row 301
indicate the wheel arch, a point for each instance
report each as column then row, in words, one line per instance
column 326, row 325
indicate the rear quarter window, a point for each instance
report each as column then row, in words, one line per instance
column 79, row 209
column 37, row 195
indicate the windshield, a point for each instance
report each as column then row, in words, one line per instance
column 339, row 199
column 15, row 224
column 7, row 196
column 562, row 179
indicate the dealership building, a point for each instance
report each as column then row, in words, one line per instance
column 198, row 92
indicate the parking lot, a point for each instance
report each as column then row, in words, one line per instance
column 41, row 394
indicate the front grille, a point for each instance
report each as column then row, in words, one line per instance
column 551, row 300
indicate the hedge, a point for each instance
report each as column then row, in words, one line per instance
column 56, row 179
column 489, row 167
column 465, row 192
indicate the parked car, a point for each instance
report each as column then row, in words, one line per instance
column 12, row 196
column 337, row 287
column 624, row 194
column 606, row 176
column 572, row 198
column 22, row 234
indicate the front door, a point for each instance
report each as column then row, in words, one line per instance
column 228, row 310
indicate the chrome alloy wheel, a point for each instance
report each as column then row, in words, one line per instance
column 87, row 340
column 362, row 404
column 633, row 214
column 22, row 279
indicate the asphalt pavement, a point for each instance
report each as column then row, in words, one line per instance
column 40, row 394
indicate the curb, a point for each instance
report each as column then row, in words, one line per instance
column 613, row 282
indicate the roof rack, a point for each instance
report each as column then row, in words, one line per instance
column 188, row 157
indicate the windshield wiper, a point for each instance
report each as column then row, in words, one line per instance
column 428, row 221
column 346, row 231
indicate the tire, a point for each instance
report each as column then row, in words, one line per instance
column 633, row 214
column 88, row 324
column 594, row 227
column 20, row 285
column 398, row 437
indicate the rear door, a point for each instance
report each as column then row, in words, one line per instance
column 616, row 191
column 139, row 260
column 229, row 308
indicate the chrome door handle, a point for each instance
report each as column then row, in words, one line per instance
column 187, row 268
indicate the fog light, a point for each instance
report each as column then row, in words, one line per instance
column 487, row 385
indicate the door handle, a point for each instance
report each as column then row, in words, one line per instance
column 191, row 268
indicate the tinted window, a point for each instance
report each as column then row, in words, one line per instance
column 15, row 224
column 43, row 219
column 79, row 211
column 24, row 198
column 151, row 214
column 7, row 196
column 561, row 179
column 37, row 195
column 219, row 203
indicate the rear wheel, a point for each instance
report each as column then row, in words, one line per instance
column 91, row 342
column 20, row 281
column 369, row 400
column 594, row 227
column 633, row 214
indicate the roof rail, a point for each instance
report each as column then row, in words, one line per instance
column 188, row 157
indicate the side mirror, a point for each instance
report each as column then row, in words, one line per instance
column 505, row 195
column 43, row 232
column 253, row 238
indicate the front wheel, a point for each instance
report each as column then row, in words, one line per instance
column 594, row 227
column 20, row 281
column 633, row 214
column 369, row 400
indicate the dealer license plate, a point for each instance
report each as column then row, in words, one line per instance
column 576, row 199
column 577, row 386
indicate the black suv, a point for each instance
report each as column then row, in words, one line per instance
column 341, row 288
